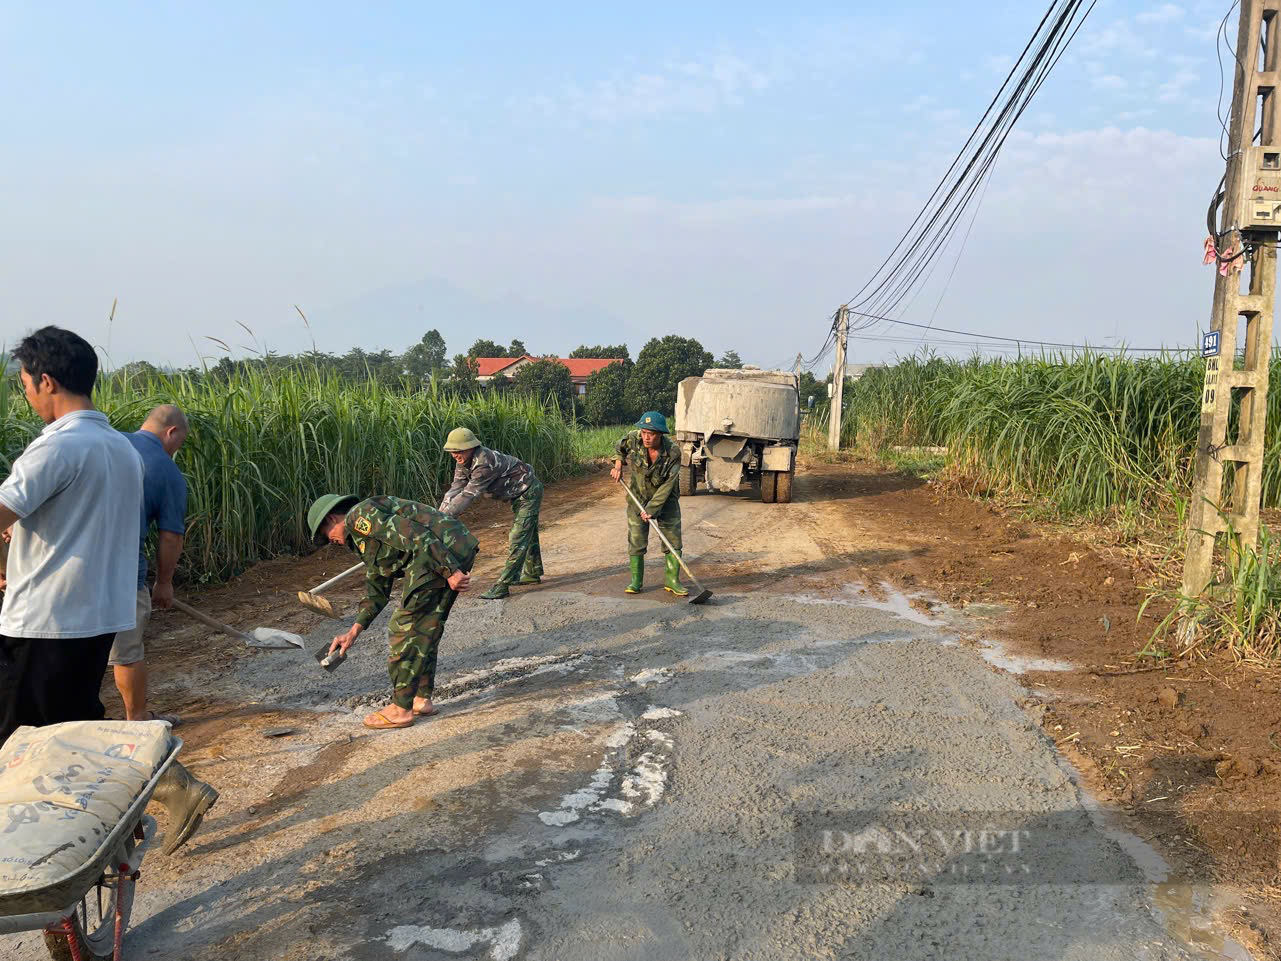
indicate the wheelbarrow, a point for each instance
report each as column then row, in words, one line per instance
column 85, row 912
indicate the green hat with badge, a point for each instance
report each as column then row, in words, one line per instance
column 325, row 505
column 653, row 420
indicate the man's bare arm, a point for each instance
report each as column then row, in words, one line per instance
column 7, row 517
column 168, row 550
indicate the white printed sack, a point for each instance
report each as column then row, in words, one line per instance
column 63, row 789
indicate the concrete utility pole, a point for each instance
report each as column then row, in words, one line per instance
column 838, row 376
column 1227, row 483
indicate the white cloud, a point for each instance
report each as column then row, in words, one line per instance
column 1115, row 41
column 1108, row 81
column 1166, row 13
column 683, row 86
column 1177, row 87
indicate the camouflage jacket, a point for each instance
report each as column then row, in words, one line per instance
column 400, row 538
column 489, row 472
column 653, row 484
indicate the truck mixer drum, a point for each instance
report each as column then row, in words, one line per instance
column 734, row 422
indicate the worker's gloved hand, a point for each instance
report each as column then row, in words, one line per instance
column 459, row 581
column 343, row 642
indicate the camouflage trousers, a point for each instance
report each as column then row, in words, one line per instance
column 668, row 520
column 523, row 548
column 415, row 631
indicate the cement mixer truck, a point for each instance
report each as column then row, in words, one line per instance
column 731, row 423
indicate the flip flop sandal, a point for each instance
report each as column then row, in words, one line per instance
column 432, row 713
column 378, row 721
column 173, row 719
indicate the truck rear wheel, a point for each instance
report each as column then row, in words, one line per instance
column 783, row 487
column 689, row 481
column 769, row 488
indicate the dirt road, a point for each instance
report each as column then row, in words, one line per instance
column 618, row 777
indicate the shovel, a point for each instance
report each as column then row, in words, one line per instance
column 322, row 605
column 264, row 637
column 703, row 593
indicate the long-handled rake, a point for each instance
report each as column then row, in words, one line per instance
column 703, row 593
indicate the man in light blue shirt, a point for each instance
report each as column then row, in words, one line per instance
column 164, row 504
column 73, row 504
column 72, row 501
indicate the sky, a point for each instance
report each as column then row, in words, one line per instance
column 589, row 173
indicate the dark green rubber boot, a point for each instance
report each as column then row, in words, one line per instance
column 672, row 581
column 638, row 575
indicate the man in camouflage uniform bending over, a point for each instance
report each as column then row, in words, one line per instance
column 434, row 553
column 504, row 478
column 655, row 466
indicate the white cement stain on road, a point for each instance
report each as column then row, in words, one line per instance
column 572, row 804
column 661, row 713
column 648, row 780
column 641, row 787
column 997, row 655
column 657, row 675
column 504, row 942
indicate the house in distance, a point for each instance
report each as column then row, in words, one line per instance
column 580, row 368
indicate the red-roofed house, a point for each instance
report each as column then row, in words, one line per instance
column 580, row 368
column 490, row 367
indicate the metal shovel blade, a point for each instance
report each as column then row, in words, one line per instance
column 701, row 597
column 273, row 639
column 319, row 604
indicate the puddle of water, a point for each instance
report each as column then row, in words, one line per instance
column 1186, row 910
column 997, row 655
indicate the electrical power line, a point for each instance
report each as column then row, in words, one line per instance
column 1030, row 341
column 913, row 260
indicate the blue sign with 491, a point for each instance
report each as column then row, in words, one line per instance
column 1210, row 344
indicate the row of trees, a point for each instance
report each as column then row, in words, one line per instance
column 616, row 394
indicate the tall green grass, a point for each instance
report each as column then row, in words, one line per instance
column 1087, row 434
column 263, row 445
column 597, row 443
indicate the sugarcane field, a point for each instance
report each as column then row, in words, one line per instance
column 452, row 510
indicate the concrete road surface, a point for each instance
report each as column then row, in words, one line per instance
column 616, row 778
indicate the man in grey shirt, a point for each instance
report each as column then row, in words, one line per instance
column 491, row 473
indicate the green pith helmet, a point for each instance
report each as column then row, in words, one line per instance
column 325, row 505
column 653, row 420
column 460, row 439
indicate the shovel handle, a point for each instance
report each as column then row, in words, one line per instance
column 666, row 543
column 206, row 619
column 336, row 578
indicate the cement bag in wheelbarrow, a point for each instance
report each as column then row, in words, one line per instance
column 63, row 789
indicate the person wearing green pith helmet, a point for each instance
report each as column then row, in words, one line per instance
column 480, row 471
column 655, row 468
column 433, row 553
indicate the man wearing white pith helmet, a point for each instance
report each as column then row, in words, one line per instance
column 505, row 478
